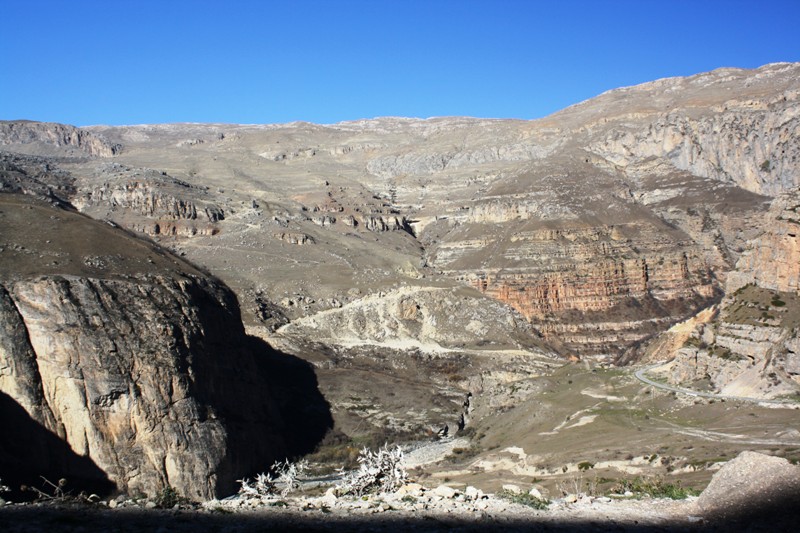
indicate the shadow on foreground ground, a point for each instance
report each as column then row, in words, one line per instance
column 50, row 518
column 28, row 450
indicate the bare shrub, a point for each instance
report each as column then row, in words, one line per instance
column 379, row 471
column 262, row 486
column 283, row 475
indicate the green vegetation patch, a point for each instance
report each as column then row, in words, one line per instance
column 654, row 487
column 523, row 498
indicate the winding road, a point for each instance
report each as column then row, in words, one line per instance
column 640, row 375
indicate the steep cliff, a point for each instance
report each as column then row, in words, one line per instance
column 45, row 138
column 772, row 260
column 135, row 359
column 750, row 348
column 586, row 264
column 147, row 201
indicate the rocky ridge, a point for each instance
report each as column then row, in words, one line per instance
column 37, row 138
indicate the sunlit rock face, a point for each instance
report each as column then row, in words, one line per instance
column 138, row 362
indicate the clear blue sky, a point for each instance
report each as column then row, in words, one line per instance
column 248, row 61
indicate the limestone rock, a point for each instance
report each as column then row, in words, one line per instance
column 146, row 371
column 443, row 491
column 773, row 259
column 142, row 377
column 429, row 319
column 48, row 138
column 753, row 485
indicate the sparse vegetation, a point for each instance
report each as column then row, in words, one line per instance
column 50, row 490
column 461, row 454
column 654, row 487
column 339, row 451
column 283, row 475
column 379, row 471
column 288, row 473
column 753, row 305
column 168, row 498
column 524, row 498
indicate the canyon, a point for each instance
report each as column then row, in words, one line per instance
column 408, row 275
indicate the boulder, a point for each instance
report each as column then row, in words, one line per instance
column 753, row 487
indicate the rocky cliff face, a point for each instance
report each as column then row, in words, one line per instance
column 136, row 360
column 750, row 348
column 43, row 138
column 122, row 395
column 772, row 260
column 753, row 143
column 597, row 272
column 730, row 125
column 150, row 202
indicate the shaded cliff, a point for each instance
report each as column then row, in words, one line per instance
column 138, row 361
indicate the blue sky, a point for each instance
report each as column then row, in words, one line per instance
column 128, row 62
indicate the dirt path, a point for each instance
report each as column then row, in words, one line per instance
column 640, row 375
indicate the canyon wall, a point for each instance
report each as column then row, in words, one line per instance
column 137, row 361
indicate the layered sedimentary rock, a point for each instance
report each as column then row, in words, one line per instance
column 150, row 202
column 597, row 280
column 603, row 224
column 750, row 348
column 773, row 260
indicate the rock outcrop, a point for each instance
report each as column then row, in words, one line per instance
column 750, row 347
column 46, row 138
column 150, row 202
column 773, row 259
column 753, row 487
column 34, row 176
column 430, row 320
column 136, row 360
